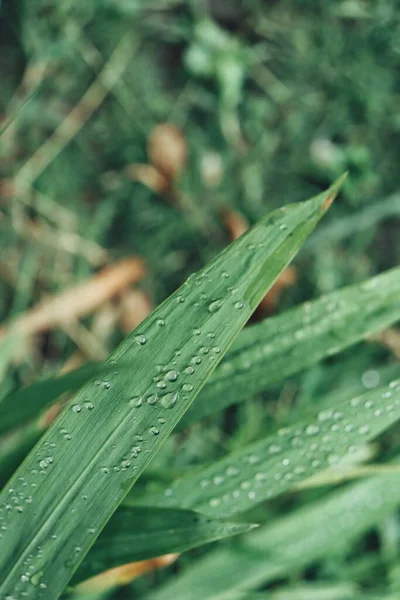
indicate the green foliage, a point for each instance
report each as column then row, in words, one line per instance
column 134, row 534
column 105, row 438
column 274, row 101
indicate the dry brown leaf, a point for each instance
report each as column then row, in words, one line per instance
column 235, row 223
column 80, row 300
column 167, row 150
column 390, row 338
column 286, row 279
column 135, row 307
column 125, row 574
column 149, row 175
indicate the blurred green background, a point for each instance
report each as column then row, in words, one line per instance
column 267, row 102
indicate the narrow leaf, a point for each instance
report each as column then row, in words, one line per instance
column 79, row 472
column 259, row 356
column 280, row 346
column 24, row 404
column 134, row 534
column 270, row 466
column 291, row 543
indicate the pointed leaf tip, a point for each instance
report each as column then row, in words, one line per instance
column 333, row 191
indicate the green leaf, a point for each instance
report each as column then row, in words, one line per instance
column 312, row 591
column 259, row 356
column 81, row 469
column 270, row 466
column 134, row 534
column 283, row 345
column 289, row 544
column 24, row 404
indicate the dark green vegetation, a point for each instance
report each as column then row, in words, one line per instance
column 275, row 100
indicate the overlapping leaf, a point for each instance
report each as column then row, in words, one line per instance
column 293, row 542
column 81, row 469
column 262, row 355
column 139, row 533
column 278, row 347
column 270, row 466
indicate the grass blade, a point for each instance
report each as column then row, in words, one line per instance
column 308, row 534
column 22, row 405
column 81, row 469
column 259, row 356
column 134, row 534
column 270, row 466
column 278, row 347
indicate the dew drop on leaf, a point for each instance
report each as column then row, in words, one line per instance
column 170, row 399
column 152, row 399
column 136, row 401
column 172, row 375
column 215, row 306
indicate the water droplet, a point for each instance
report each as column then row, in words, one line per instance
column 152, row 399
column 196, row 331
column 215, row 306
column 312, row 429
column 238, row 305
column 170, row 399
column 136, row 401
column 204, row 350
column 77, row 408
column 283, row 227
column 370, row 379
column 160, row 322
column 172, row 375
column 180, row 299
column 187, row 387
column 161, row 384
column 232, row 471
column 364, row 429
column 325, row 415
column 154, row 430
column 274, row 449
column 141, row 339
column 189, row 370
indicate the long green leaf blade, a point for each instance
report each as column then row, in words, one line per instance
column 258, row 357
column 81, row 469
column 308, row 534
column 281, row 346
column 139, row 533
column 270, row 466
column 22, row 405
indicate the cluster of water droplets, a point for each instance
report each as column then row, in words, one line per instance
column 328, row 318
column 174, row 381
column 270, row 466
